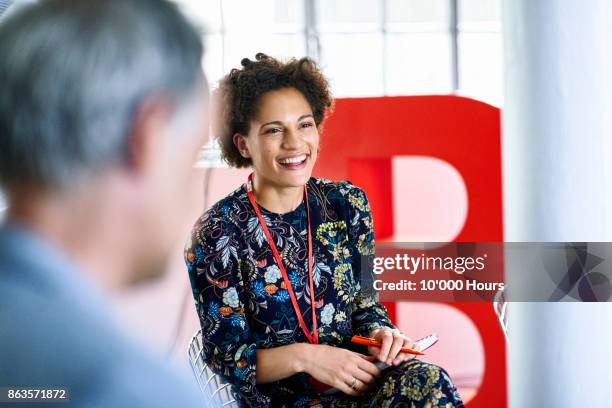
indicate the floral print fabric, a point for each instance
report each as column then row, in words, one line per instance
column 243, row 304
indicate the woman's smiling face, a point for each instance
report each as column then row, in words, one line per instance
column 283, row 139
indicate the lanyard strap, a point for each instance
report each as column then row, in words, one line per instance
column 314, row 337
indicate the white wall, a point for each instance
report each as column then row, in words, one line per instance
column 556, row 173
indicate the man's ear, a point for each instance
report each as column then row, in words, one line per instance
column 145, row 139
column 241, row 145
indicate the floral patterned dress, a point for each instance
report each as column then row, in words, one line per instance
column 243, row 304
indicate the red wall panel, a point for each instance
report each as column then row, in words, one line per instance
column 358, row 142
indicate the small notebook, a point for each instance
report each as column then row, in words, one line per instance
column 427, row 341
column 420, row 345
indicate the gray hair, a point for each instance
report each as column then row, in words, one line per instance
column 8, row 7
column 4, row 4
column 73, row 73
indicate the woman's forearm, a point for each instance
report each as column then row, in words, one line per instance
column 282, row 362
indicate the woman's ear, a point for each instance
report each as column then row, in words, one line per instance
column 241, row 145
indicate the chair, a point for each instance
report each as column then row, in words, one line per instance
column 212, row 386
column 500, row 306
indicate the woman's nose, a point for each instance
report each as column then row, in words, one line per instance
column 291, row 139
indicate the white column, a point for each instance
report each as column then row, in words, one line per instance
column 557, row 187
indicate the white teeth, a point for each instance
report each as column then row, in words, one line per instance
column 292, row 160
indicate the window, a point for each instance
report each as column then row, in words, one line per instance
column 365, row 47
column 480, row 50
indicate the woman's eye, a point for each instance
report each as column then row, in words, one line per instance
column 306, row 125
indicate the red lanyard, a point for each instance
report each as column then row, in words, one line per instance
column 314, row 337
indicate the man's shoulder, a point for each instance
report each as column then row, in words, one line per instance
column 71, row 334
column 46, row 342
column 58, row 331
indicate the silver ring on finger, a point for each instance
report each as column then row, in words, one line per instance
column 353, row 385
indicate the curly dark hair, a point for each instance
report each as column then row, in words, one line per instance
column 237, row 98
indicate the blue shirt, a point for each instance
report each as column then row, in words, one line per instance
column 56, row 331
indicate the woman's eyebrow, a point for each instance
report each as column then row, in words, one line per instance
column 278, row 122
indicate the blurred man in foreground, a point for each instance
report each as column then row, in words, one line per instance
column 102, row 111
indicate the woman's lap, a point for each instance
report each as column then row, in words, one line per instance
column 412, row 384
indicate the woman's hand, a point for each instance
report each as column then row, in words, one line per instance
column 392, row 341
column 352, row 373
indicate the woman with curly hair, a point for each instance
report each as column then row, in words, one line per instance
column 276, row 266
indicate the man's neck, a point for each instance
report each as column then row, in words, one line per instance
column 78, row 228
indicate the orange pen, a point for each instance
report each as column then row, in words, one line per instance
column 366, row 341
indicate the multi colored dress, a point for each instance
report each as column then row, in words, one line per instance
column 243, row 304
